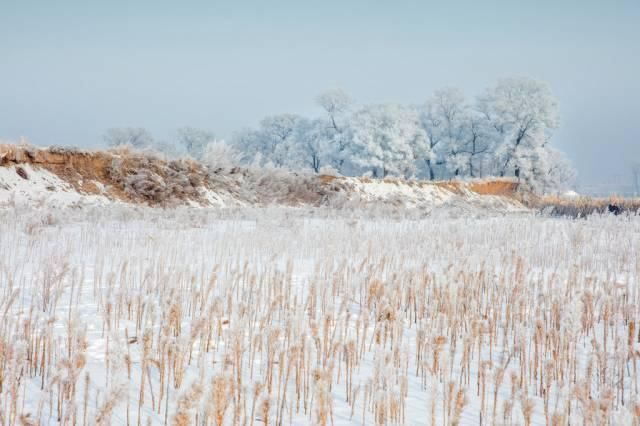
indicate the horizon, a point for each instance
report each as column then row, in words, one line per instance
column 75, row 70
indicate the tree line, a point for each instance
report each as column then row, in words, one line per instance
column 506, row 131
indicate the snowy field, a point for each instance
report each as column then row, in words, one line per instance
column 281, row 316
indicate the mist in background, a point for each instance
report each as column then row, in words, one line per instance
column 70, row 70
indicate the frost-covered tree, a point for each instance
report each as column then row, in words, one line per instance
column 523, row 113
column 194, row 141
column 336, row 105
column 271, row 143
column 544, row 168
column 505, row 133
column 136, row 137
column 278, row 131
column 431, row 124
column 477, row 145
column 250, row 145
column 560, row 174
column 312, row 144
column 445, row 120
column 169, row 149
column 220, row 156
column 386, row 139
column 453, row 112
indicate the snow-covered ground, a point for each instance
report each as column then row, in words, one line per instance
column 40, row 187
column 56, row 186
column 428, row 196
column 293, row 316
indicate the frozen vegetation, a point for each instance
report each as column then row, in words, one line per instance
column 55, row 178
column 506, row 131
column 293, row 316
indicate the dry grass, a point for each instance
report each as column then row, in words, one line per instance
column 277, row 318
column 455, row 187
column 326, row 179
column 584, row 206
column 505, row 187
column 125, row 175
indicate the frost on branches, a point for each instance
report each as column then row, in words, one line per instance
column 506, row 131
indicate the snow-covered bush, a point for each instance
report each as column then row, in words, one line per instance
column 220, row 157
column 146, row 177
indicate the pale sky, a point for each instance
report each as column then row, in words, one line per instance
column 71, row 69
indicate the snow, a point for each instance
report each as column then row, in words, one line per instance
column 380, row 190
column 198, row 282
column 270, row 186
column 41, row 188
column 428, row 197
column 213, row 198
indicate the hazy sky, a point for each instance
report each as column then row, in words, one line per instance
column 69, row 70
